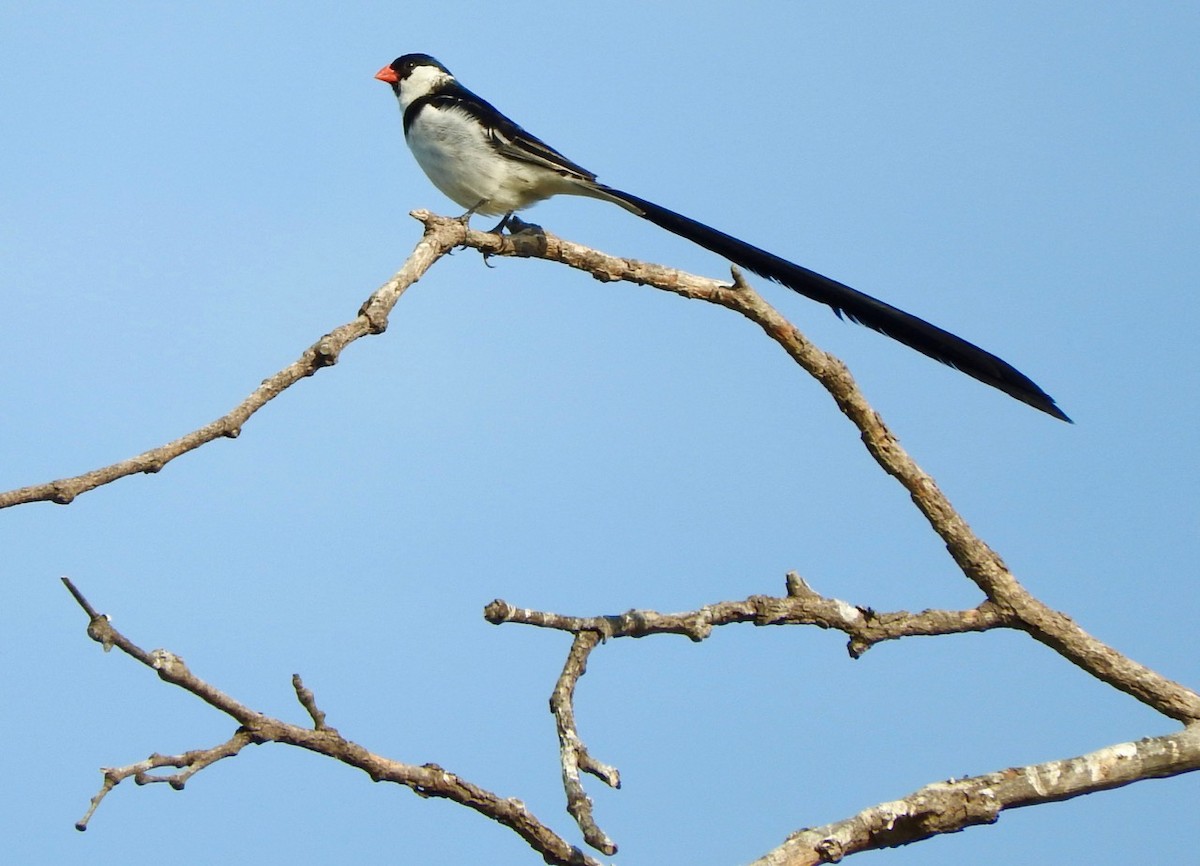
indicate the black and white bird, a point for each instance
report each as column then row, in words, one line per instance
column 488, row 164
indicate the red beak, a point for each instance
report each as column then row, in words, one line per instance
column 387, row 74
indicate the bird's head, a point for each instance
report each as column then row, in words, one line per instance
column 413, row 76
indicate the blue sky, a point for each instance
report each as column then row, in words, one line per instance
column 194, row 192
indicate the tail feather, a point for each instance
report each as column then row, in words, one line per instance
column 850, row 303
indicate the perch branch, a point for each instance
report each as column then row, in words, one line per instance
column 372, row 318
column 976, row 559
column 1007, row 604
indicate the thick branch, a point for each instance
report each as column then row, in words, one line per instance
column 935, row 809
column 977, row 561
column 946, row 807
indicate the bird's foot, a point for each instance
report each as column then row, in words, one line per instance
column 516, row 225
column 498, row 228
column 465, row 219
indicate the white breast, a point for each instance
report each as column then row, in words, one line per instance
column 453, row 150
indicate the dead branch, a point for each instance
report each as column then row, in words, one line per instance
column 573, row 754
column 935, row 809
column 977, row 560
column 946, row 807
column 372, row 318
column 427, row 780
column 190, row 762
column 943, row 807
column 801, row 606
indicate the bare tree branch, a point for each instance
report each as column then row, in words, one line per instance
column 573, row 754
column 977, row 561
column 946, row 807
column 372, row 318
column 801, row 606
column 190, row 762
column 427, row 780
column 309, row 702
column 939, row 808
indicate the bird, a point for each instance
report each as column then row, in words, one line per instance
column 485, row 162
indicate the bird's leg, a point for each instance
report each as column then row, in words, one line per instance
column 465, row 219
column 498, row 230
column 502, row 225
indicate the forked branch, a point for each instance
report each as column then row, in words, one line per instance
column 977, row 560
column 935, row 809
column 255, row 728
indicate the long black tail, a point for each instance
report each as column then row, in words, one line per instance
column 852, row 304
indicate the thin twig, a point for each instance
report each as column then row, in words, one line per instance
column 190, row 762
column 309, row 702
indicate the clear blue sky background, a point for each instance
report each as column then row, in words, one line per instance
column 194, row 192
